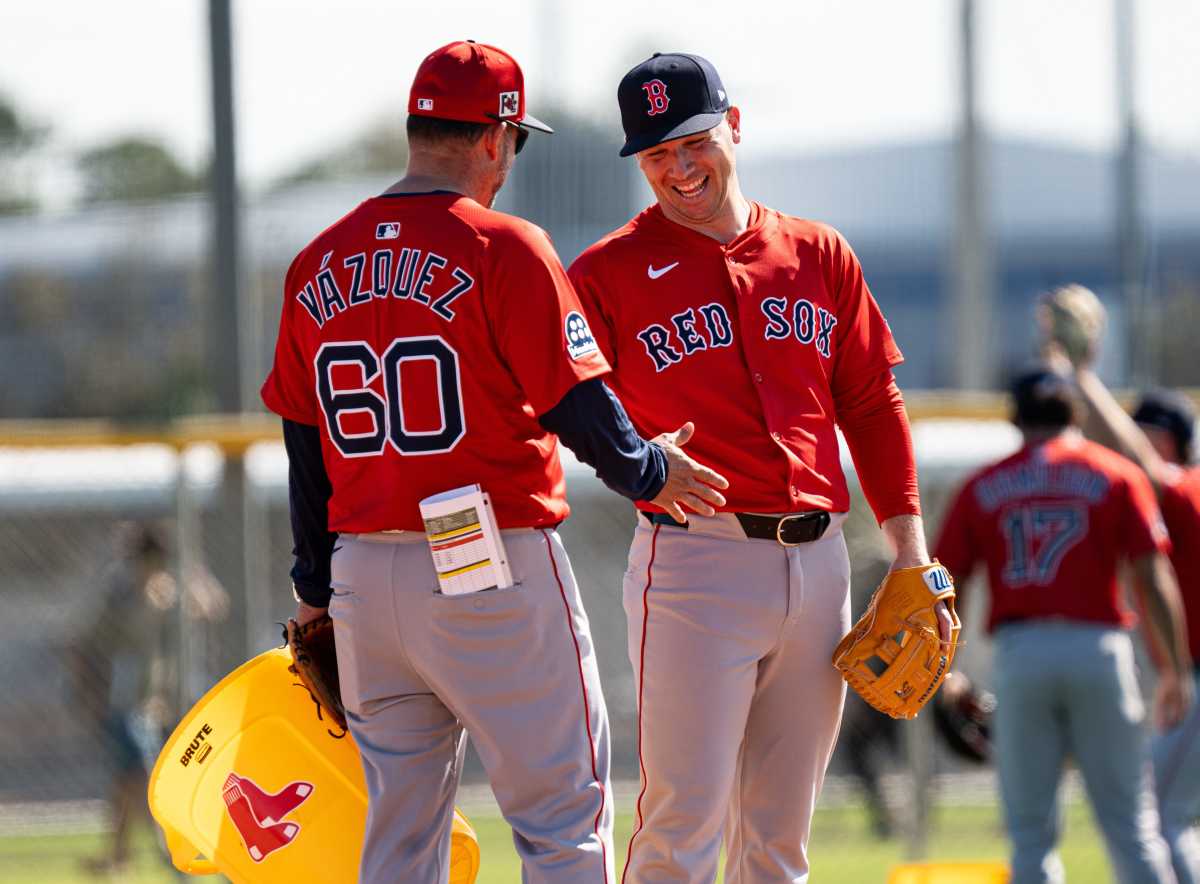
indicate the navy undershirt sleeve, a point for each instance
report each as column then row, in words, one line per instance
column 591, row 421
column 309, row 491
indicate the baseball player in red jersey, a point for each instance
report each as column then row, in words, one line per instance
column 763, row 327
column 427, row 343
column 1052, row 523
column 1158, row 437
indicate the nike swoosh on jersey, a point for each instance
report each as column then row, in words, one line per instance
column 656, row 273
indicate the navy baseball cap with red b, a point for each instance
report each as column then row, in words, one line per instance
column 474, row 83
column 669, row 95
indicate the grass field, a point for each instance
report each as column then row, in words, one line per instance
column 842, row 850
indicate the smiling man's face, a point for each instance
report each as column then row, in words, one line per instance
column 691, row 175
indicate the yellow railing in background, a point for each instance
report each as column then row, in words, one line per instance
column 233, row 434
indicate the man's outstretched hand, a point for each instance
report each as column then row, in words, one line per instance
column 689, row 483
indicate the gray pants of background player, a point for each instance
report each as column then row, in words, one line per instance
column 1177, row 783
column 515, row 667
column 738, row 703
column 1070, row 689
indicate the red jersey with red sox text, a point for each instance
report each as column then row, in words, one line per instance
column 423, row 334
column 752, row 340
column 1181, row 512
column 1051, row 523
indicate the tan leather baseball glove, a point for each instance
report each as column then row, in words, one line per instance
column 894, row 655
column 314, row 662
column 1072, row 317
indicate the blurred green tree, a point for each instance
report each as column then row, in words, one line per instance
column 379, row 148
column 133, row 167
column 18, row 137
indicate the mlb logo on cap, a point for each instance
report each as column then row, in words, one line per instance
column 425, row 104
column 510, row 104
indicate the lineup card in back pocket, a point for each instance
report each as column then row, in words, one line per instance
column 468, row 552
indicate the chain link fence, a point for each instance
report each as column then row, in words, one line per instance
column 98, row 629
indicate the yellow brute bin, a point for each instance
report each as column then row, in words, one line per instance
column 253, row 786
column 949, row 873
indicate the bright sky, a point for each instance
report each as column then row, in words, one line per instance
column 810, row 73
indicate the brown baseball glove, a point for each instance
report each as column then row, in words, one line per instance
column 314, row 662
column 1072, row 317
column 894, row 655
column 964, row 721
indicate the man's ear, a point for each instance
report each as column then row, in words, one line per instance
column 733, row 116
column 492, row 140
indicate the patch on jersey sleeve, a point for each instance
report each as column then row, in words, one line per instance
column 580, row 341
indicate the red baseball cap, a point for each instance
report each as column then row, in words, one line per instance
column 472, row 82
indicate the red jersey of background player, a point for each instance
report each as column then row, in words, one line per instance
column 1052, row 522
column 1181, row 511
column 779, row 317
column 424, row 345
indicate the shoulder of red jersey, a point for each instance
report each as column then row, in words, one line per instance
column 980, row 473
column 638, row 235
column 499, row 226
column 807, row 236
column 322, row 242
column 488, row 224
column 1190, row 479
column 1181, row 486
column 817, row 232
column 1112, row 462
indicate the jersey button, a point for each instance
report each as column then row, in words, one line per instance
column 795, row 491
column 757, row 378
column 777, row 438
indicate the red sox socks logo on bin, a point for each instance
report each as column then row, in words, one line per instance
column 258, row 815
column 656, row 94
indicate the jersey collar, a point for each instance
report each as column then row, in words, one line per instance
column 762, row 225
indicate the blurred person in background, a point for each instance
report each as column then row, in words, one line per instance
column 1158, row 437
column 869, row 740
column 120, row 674
column 1052, row 523
column 124, row 675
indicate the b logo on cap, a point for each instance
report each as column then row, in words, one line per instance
column 656, row 94
column 510, row 104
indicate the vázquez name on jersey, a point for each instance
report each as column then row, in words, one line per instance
column 395, row 272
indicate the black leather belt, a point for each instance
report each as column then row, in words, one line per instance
column 789, row 529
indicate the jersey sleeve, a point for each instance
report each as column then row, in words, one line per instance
column 538, row 322
column 1143, row 528
column 289, row 390
column 590, row 290
column 864, row 345
column 956, row 546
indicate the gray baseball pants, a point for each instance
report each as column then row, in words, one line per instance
column 1177, row 783
column 513, row 667
column 738, row 703
column 1070, row 689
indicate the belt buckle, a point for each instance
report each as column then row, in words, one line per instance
column 779, row 529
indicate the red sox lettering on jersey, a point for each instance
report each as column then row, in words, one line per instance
column 780, row 318
column 666, row 346
column 423, row 334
